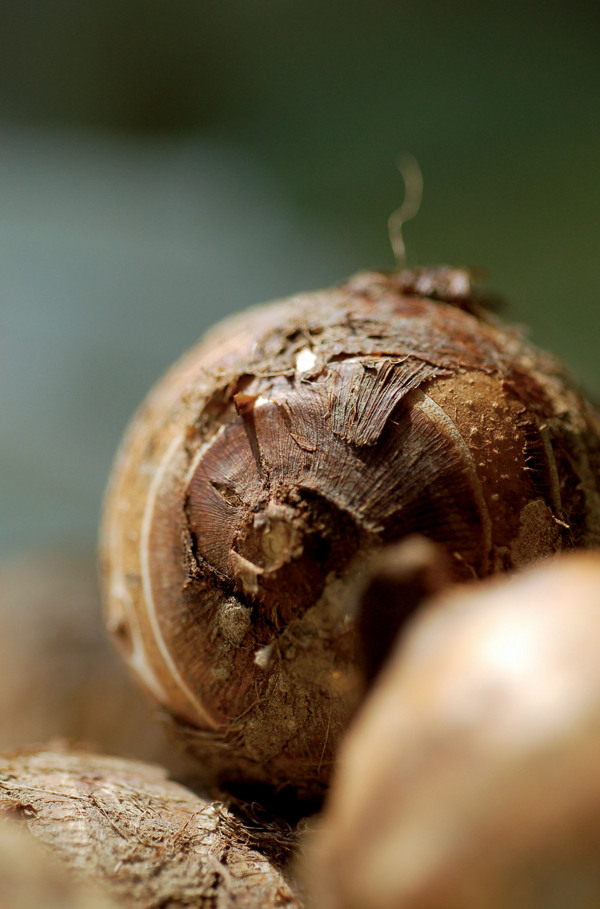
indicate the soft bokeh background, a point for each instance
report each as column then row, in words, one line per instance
column 162, row 164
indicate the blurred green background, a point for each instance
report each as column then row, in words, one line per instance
column 162, row 164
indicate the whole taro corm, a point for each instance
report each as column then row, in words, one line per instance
column 294, row 440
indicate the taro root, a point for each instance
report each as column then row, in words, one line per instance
column 471, row 776
column 145, row 840
column 293, row 441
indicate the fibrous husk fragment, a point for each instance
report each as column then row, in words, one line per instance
column 147, row 841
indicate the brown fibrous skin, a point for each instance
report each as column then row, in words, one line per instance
column 292, row 442
column 31, row 879
column 124, row 827
column 469, row 778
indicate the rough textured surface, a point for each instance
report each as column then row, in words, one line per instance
column 147, row 841
column 31, row 879
column 293, row 441
column 470, row 777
